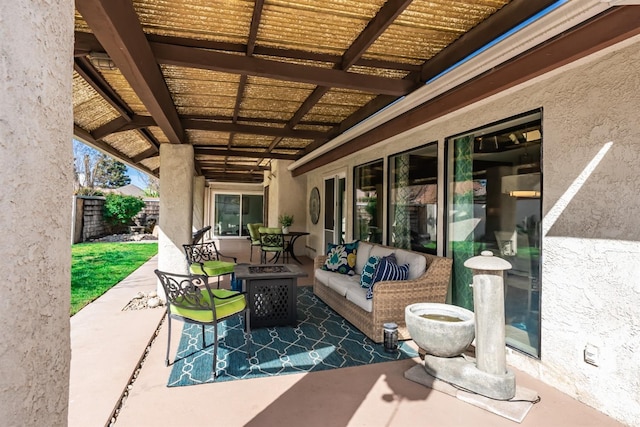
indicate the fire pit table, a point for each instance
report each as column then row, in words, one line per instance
column 272, row 292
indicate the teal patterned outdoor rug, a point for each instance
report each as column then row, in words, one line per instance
column 322, row 340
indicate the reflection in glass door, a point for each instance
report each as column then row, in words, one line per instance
column 227, row 215
column 334, row 212
column 329, row 210
column 368, row 202
column 413, row 199
column 251, row 211
column 494, row 203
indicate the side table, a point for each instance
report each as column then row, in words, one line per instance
column 272, row 290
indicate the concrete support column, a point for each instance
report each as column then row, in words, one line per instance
column 176, row 207
column 36, row 178
column 198, row 202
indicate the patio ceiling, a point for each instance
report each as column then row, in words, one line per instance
column 248, row 81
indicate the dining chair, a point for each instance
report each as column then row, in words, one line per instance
column 191, row 299
column 204, row 259
column 272, row 241
column 254, row 237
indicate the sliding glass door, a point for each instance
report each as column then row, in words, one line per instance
column 232, row 213
column 335, row 220
column 494, row 203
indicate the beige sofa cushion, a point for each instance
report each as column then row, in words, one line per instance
column 381, row 251
column 323, row 276
column 358, row 296
column 417, row 263
column 362, row 255
column 341, row 282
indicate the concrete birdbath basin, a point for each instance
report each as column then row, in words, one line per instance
column 443, row 330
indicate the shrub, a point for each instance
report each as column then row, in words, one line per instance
column 86, row 191
column 120, row 210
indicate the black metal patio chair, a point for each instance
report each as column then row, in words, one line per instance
column 191, row 299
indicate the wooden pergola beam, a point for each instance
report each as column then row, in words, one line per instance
column 116, row 26
column 121, row 124
column 229, row 63
column 385, row 17
column 86, row 43
column 202, row 150
column 211, row 165
column 209, row 125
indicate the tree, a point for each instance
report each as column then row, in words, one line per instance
column 85, row 167
column 110, row 173
column 152, row 188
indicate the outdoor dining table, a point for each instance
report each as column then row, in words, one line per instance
column 292, row 236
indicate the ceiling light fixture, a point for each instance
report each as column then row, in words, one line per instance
column 102, row 61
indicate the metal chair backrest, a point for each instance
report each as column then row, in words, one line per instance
column 201, row 252
column 186, row 291
column 271, row 237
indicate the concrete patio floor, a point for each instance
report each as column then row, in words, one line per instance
column 108, row 343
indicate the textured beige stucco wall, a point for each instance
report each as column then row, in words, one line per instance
column 590, row 271
column 287, row 196
column 36, row 176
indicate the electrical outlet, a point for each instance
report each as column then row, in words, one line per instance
column 592, row 354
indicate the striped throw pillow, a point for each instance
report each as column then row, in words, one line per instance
column 388, row 270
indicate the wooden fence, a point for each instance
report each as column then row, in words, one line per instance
column 88, row 223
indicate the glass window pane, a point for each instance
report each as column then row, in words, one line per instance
column 368, row 211
column 329, row 204
column 495, row 204
column 413, row 196
column 227, row 215
column 251, row 211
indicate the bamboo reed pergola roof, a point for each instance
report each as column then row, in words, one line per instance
column 247, row 81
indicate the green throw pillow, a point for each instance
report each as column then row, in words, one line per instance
column 369, row 270
column 341, row 258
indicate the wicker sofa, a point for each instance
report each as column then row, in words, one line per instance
column 428, row 282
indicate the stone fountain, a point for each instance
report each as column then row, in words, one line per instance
column 445, row 331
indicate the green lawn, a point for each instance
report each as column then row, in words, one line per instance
column 96, row 267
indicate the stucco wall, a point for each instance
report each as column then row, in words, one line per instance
column 36, row 51
column 590, row 273
column 288, row 196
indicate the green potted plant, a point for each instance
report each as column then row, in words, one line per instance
column 285, row 221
